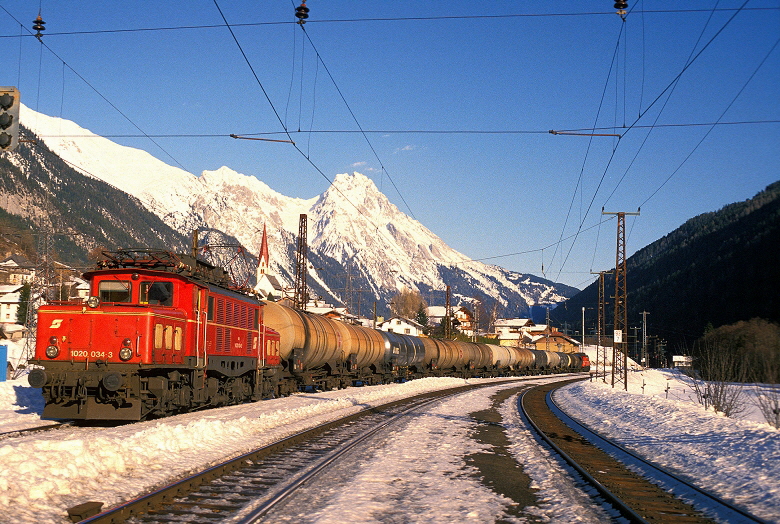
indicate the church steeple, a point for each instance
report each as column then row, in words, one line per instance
column 264, row 260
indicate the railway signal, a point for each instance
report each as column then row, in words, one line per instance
column 9, row 118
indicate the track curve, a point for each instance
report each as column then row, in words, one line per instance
column 633, row 495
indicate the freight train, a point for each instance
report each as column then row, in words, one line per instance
column 162, row 333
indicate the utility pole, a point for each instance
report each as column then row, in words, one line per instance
column 601, row 351
column 447, row 315
column 620, row 333
column 476, row 321
column 348, row 290
column 635, row 351
column 301, row 293
column 547, row 332
column 645, row 362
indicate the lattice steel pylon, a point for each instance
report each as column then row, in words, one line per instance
column 601, row 350
column 301, row 297
column 619, row 344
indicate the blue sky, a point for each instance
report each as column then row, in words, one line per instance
column 490, row 79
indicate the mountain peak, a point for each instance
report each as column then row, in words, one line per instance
column 354, row 225
column 355, row 183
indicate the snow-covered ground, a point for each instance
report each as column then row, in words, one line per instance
column 737, row 458
column 43, row 474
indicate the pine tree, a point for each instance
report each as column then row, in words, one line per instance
column 24, row 303
column 422, row 318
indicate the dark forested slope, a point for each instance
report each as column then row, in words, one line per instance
column 717, row 268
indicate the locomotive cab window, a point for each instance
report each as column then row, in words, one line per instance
column 114, row 291
column 157, row 293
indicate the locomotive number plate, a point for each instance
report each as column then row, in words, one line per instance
column 91, row 354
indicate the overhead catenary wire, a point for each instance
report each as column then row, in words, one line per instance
column 733, row 100
column 659, row 97
column 392, row 19
column 278, row 117
column 446, row 131
column 584, row 161
column 658, row 116
column 370, row 145
column 580, row 131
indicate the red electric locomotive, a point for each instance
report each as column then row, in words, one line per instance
column 160, row 333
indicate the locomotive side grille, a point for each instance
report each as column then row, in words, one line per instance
column 220, row 311
column 245, row 317
column 220, row 339
column 230, row 314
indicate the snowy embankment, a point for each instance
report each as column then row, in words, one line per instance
column 43, row 474
column 659, row 418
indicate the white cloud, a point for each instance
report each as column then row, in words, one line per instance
column 409, row 147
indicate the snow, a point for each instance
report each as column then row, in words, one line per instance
column 43, row 474
column 736, row 458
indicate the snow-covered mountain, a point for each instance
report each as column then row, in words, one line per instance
column 351, row 224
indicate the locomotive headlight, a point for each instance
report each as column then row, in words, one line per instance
column 93, row 302
column 125, row 353
column 52, row 351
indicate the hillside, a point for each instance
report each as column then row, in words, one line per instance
column 40, row 192
column 357, row 239
column 717, row 268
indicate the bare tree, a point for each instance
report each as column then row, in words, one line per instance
column 407, row 303
column 745, row 350
column 767, row 389
column 719, row 378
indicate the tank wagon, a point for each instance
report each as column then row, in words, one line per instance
column 163, row 333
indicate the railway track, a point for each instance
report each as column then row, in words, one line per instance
column 36, row 429
column 244, row 489
column 636, row 498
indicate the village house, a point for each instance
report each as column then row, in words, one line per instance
column 16, row 269
column 9, row 307
column 463, row 318
column 402, row 325
column 513, row 331
column 554, row 340
column 523, row 332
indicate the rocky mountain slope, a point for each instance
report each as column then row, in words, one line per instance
column 355, row 232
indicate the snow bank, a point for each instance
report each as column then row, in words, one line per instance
column 735, row 458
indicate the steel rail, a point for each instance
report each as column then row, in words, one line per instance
column 47, row 427
column 289, row 489
column 729, row 511
column 613, row 499
column 166, row 494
